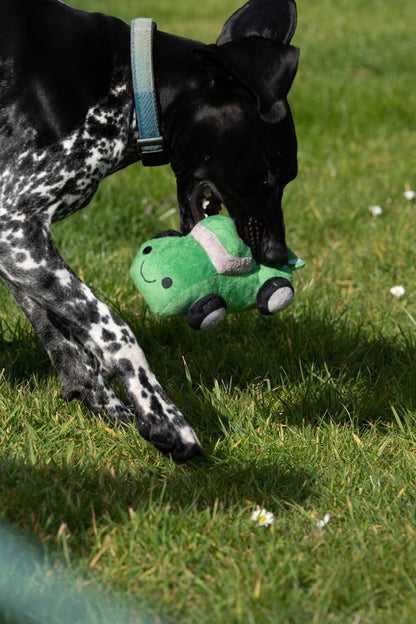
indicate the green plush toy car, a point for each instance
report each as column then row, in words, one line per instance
column 207, row 273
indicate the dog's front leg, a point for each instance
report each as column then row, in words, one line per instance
column 65, row 308
column 76, row 366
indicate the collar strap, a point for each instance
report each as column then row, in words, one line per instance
column 150, row 143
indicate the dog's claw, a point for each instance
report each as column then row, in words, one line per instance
column 180, row 443
column 183, row 453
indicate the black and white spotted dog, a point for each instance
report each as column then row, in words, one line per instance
column 67, row 120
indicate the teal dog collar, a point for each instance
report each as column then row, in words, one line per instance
column 150, row 143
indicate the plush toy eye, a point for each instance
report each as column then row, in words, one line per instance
column 167, row 282
column 147, row 250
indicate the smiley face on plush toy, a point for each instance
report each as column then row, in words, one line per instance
column 208, row 272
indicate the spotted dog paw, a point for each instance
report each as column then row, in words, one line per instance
column 176, row 439
column 160, row 422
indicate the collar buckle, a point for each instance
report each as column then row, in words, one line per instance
column 152, row 151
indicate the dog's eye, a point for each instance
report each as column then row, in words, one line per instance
column 167, row 282
column 147, row 250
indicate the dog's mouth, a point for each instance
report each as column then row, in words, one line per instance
column 251, row 232
column 205, row 201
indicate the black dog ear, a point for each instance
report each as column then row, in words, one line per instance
column 264, row 67
column 271, row 19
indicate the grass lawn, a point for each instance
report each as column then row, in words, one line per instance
column 306, row 414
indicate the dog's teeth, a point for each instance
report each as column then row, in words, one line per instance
column 205, row 205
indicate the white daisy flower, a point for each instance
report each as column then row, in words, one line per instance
column 376, row 210
column 262, row 517
column 409, row 194
column 397, row 291
column 322, row 523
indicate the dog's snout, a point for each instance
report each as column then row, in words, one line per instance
column 267, row 248
column 274, row 254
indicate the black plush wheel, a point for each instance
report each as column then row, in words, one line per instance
column 207, row 312
column 276, row 294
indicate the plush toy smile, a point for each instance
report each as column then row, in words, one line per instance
column 209, row 272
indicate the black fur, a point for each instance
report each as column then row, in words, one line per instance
column 67, row 120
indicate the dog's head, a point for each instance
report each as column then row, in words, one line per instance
column 238, row 146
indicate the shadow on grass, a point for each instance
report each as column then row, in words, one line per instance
column 55, row 502
column 317, row 367
column 46, row 492
column 314, row 368
column 52, row 494
column 22, row 355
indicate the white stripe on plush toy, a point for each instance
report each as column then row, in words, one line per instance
column 224, row 262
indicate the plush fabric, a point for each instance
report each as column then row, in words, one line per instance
column 174, row 272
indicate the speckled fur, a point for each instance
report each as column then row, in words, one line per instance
column 45, row 180
column 67, row 120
